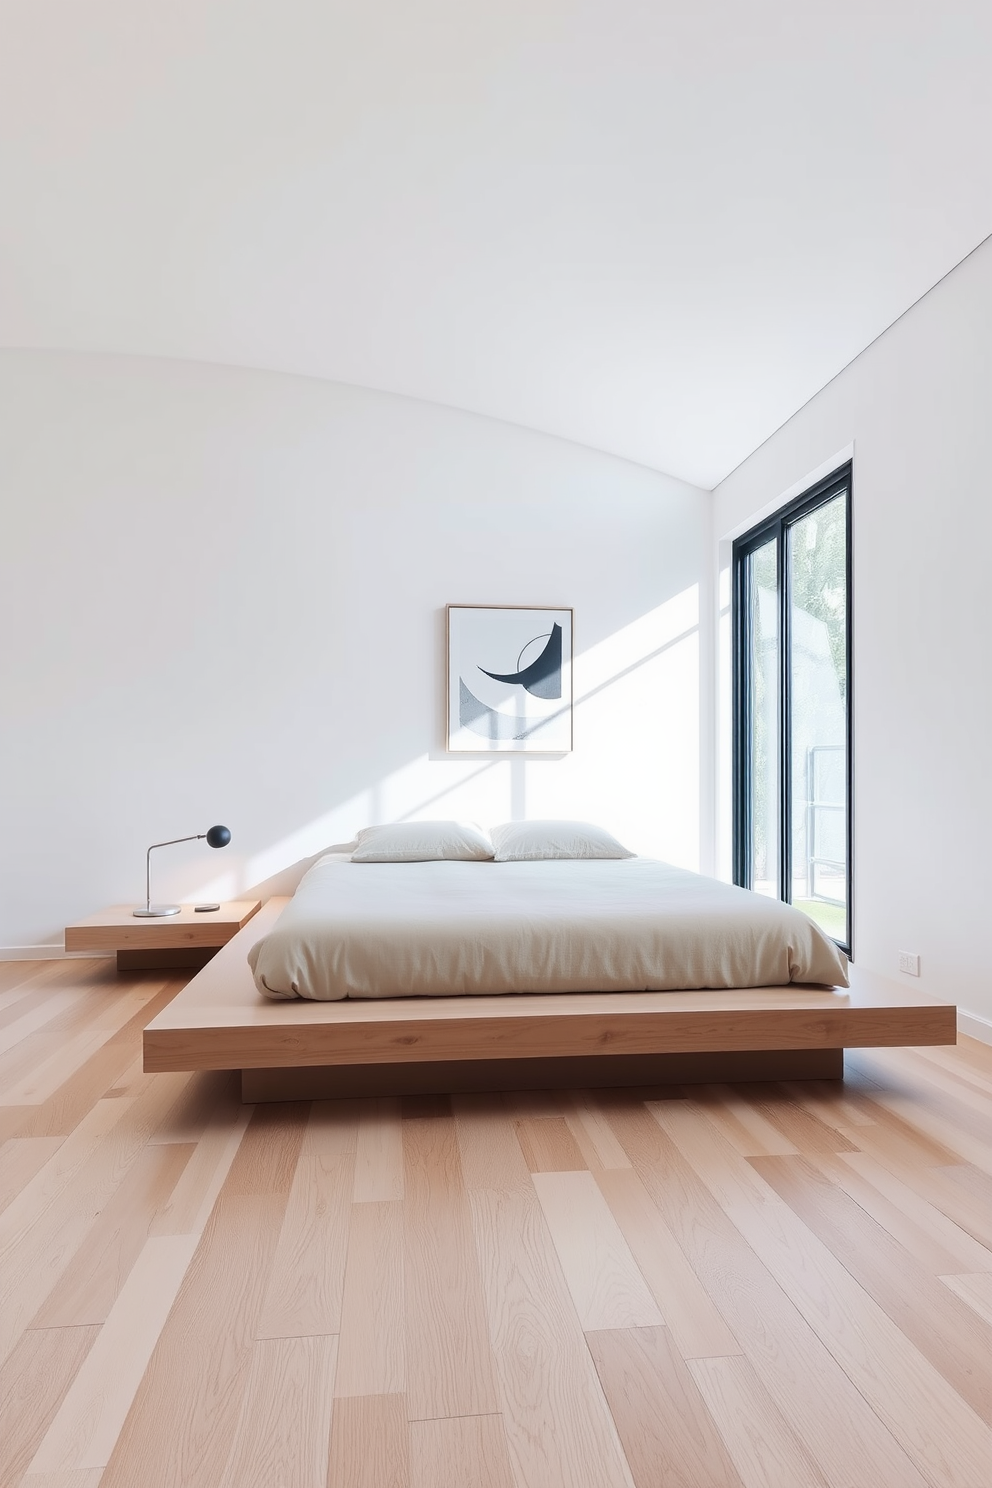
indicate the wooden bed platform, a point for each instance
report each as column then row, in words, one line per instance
column 315, row 1050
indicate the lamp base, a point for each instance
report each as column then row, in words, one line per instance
column 155, row 911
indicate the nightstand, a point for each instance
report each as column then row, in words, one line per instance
column 185, row 939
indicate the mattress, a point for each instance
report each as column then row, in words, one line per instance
column 455, row 929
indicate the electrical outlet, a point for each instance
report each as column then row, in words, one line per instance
column 909, row 962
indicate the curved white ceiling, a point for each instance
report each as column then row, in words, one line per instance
column 655, row 228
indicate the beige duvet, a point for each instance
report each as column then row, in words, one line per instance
column 447, row 929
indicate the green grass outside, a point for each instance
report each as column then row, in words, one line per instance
column 831, row 918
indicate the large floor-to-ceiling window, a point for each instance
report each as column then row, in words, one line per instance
column 792, row 705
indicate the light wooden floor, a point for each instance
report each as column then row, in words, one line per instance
column 777, row 1287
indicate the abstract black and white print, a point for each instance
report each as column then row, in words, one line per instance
column 509, row 679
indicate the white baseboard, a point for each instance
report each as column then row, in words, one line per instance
column 975, row 1027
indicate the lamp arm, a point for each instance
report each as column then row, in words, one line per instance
column 148, row 860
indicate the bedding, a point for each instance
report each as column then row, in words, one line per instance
column 455, row 928
column 530, row 841
column 422, row 842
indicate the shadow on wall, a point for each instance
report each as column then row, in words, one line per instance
column 635, row 766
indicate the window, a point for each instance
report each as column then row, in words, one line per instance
column 792, row 706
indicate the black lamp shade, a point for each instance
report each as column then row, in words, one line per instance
column 218, row 836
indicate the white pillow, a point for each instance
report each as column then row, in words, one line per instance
column 423, row 842
column 525, row 842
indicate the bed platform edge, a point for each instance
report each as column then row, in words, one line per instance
column 302, row 1050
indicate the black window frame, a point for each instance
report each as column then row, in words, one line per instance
column 839, row 482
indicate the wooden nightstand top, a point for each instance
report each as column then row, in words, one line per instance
column 117, row 929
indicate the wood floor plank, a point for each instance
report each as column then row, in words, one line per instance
column 939, row 1245
column 40, row 1083
column 929, row 1182
column 975, row 1290
column 370, row 1443
column 283, row 1433
column 84, row 1006
column 39, row 1012
column 594, row 1135
column 33, row 1384
column 760, row 1442
column 34, row 974
column 54, row 1176
column 89, row 1420
column 606, row 1287
column 535, row 1105
column 379, row 1152
column 821, row 1254
column 487, row 1145
column 855, row 1329
column 915, row 1122
column 965, row 1085
column 191, row 1202
column 372, row 1350
column 971, row 1255
column 944, row 1437
column 16, row 985
column 809, row 1386
column 727, row 1174
column 975, row 1181
column 558, row 1426
column 974, row 1051
column 740, row 1120
column 893, row 1137
column 810, row 1131
column 83, row 1478
column 131, row 1081
column 20, row 1159
column 835, row 1102
column 87, row 1290
column 965, row 1137
column 413, row 1107
column 14, row 1001
column 449, row 1361
column 267, row 1155
column 460, row 1452
column 181, row 1425
column 332, row 1130
column 667, row 1433
column 206, row 1094
column 307, row 1280
column 38, row 1244
column 68, row 1105
column 957, row 1343
column 548, row 1146
column 695, row 1324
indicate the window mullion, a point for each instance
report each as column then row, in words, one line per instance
column 785, row 720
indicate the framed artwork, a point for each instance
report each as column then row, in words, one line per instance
column 509, row 679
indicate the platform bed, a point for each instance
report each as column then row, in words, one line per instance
column 318, row 1050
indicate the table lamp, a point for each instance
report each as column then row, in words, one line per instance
column 216, row 837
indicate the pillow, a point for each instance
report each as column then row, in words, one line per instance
column 525, row 842
column 423, row 842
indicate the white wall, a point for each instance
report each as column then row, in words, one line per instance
column 916, row 407
column 221, row 599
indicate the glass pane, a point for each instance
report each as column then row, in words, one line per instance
column 762, row 591
column 817, row 554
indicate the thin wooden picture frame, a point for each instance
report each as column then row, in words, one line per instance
column 522, row 702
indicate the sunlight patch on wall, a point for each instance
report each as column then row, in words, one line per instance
column 634, row 768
